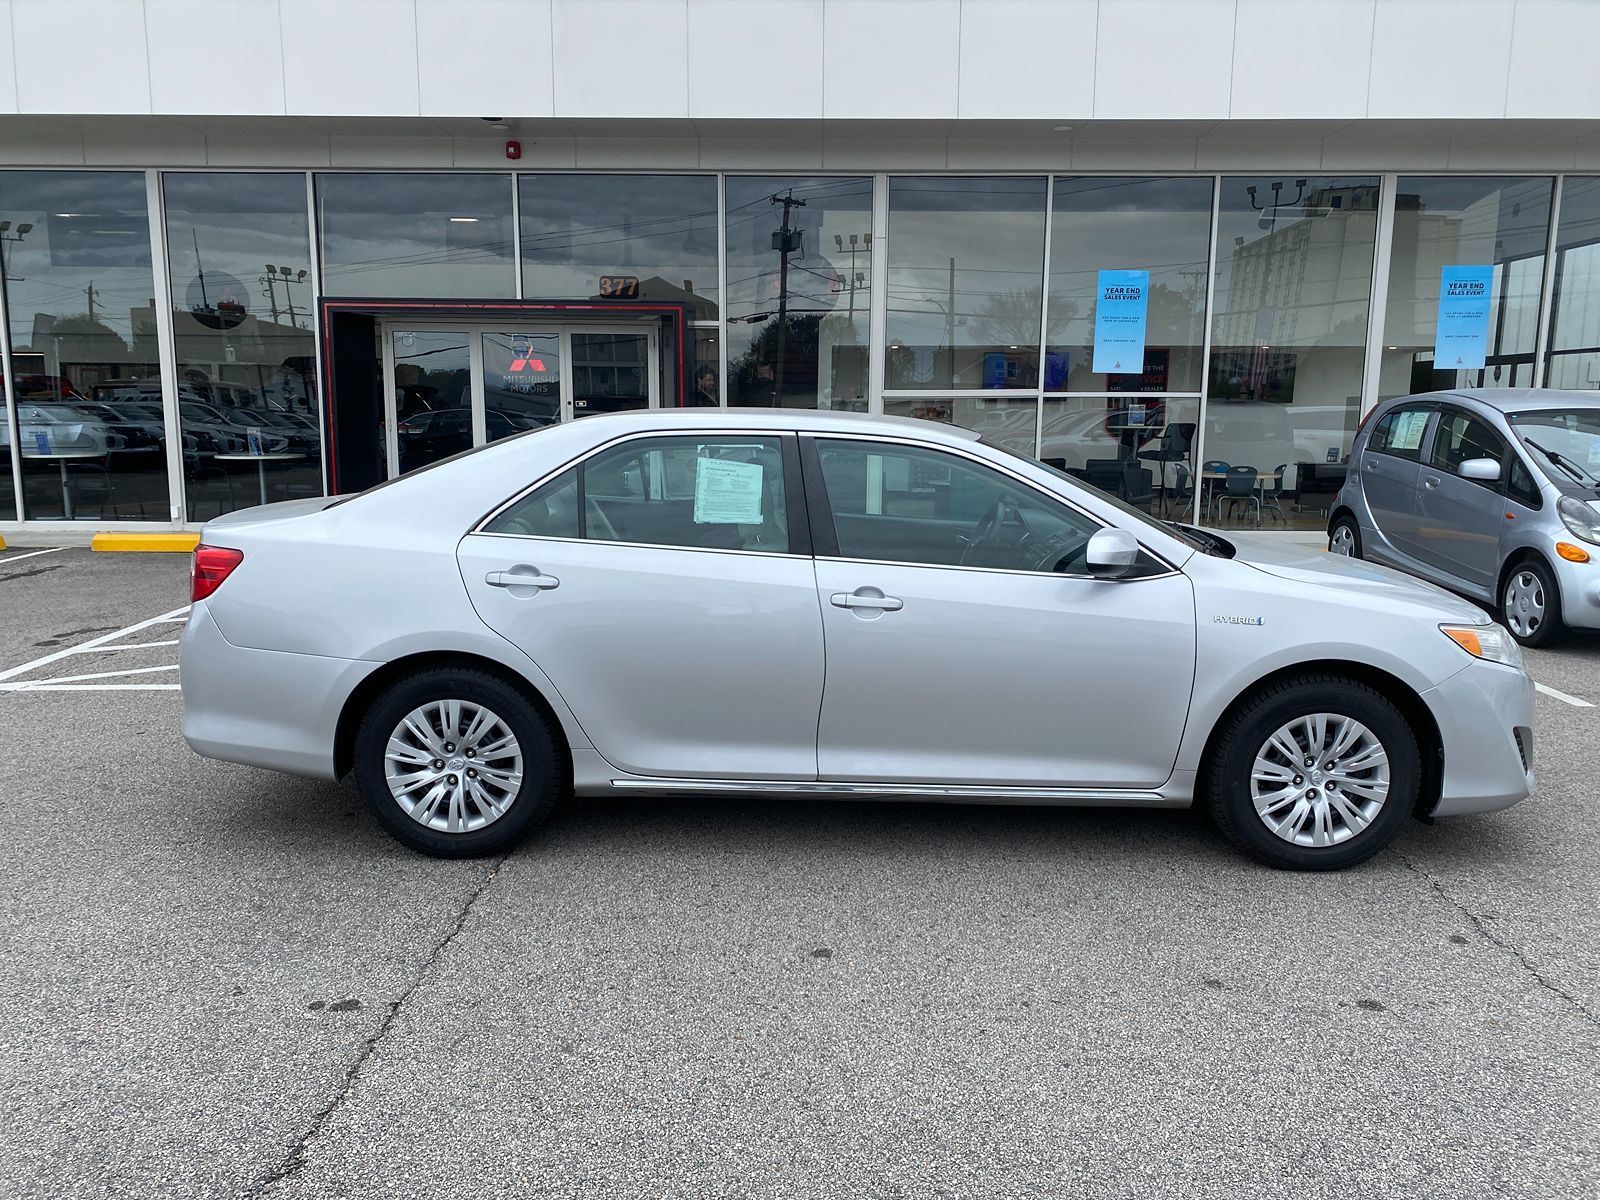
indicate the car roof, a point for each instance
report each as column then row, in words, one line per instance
column 1509, row 400
column 809, row 420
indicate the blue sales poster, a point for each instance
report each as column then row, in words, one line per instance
column 1119, row 322
column 1462, row 339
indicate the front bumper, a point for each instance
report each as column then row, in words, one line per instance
column 1580, row 589
column 263, row 708
column 1485, row 719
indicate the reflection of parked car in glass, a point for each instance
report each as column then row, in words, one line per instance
column 61, row 426
column 1494, row 493
column 426, row 437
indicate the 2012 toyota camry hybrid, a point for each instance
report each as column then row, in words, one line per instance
column 819, row 604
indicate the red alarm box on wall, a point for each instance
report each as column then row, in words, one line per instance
column 513, row 150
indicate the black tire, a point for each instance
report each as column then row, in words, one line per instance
column 1244, row 733
column 1344, row 521
column 1550, row 626
column 543, row 764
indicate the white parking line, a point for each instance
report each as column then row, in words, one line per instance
column 11, row 558
column 96, row 643
column 130, row 646
column 1562, row 696
column 93, row 687
column 28, row 685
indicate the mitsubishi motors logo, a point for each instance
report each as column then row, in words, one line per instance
column 527, row 362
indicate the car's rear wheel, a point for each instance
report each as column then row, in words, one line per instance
column 1344, row 537
column 457, row 762
column 1314, row 773
column 1530, row 604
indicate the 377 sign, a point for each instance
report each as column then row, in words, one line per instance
column 619, row 287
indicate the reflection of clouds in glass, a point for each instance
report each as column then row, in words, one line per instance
column 241, row 222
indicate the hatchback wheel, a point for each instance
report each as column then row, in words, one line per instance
column 1344, row 538
column 457, row 762
column 1530, row 604
column 1314, row 773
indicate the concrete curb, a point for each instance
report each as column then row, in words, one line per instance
column 146, row 543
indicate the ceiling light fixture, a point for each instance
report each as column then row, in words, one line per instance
column 464, row 220
column 1062, row 128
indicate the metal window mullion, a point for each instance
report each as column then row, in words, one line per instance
column 477, row 398
column 166, row 342
column 722, row 295
column 8, row 398
column 878, row 297
column 1044, row 315
column 1197, row 454
column 1544, row 331
column 314, row 246
column 516, row 231
column 1378, row 296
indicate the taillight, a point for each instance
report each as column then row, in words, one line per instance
column 212, row 564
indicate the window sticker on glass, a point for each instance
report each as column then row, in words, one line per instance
column 726, row 492
column 1408, row 430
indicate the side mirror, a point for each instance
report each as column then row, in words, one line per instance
column 1484, row 470
column 1111, row 554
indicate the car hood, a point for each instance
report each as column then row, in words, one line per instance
column 282, row 511
column 1307, row 564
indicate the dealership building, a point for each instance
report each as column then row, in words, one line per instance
column 269, row 249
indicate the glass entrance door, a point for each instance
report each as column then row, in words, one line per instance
column 450, row 387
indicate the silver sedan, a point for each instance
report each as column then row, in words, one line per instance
column 812, row 604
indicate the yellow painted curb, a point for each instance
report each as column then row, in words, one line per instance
column 2, row 543
column 171, row 543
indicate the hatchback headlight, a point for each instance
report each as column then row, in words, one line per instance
column 1579, row 518
column 1488, row 642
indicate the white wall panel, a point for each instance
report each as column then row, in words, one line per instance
column 391, row 152
column 209, row 58
column 80, row 56
column 350, row 57
column 755, row 58
column 761, row 154
column 8, row 86
column 1552, row 70
column 173, row 145
column 1435, row 59
column 1027, row 58
column 485, row 58
column 891, row 58
column 538, row 152
column 644, row 153
column 621, row 58
column 1165, row 58
column 1329, row 45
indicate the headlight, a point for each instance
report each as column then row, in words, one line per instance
column 1488, row 642
column 1583, row 521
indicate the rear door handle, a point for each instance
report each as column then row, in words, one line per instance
column 522, row 577
column 855, row 600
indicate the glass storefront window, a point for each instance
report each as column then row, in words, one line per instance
column 1500, row 224
column 1162, row 226
column 86, row 367
column 1139, row 448
column 1293, row 289
column 799, row 291
column 966, row 259
column 1574, row 353
column 1004, row 420
column 240, row 257
column 706, row 391
column 621, row 237
column 416, row 235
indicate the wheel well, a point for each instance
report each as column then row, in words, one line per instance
column 1514, row 560
column 369, row 689
column 1429, row 744
column 1343, row 510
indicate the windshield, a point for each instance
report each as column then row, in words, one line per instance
column 1193, row 538
column 1564, row 442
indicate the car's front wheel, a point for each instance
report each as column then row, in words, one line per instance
column 1530, row 604
column 457, row 762
column 1314, row 773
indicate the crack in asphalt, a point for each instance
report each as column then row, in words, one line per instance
column 1494, row 939
column 296, row 1158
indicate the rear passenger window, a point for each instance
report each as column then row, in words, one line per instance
column 697, row 492
column 1400, row 433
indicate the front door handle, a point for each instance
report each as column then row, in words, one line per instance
column 857, row 599
column 522, row 577
column 1430, row 482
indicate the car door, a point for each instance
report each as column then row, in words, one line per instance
column 965, row 643
column 1391, row 470
column 1463, row 519
column 665, row 586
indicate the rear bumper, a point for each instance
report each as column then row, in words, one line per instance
column 263, row 708
column 1482, row 712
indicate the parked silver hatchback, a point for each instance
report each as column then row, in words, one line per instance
column 798, row 604
column 1491, row 493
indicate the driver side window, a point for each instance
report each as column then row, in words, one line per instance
column 904, row 504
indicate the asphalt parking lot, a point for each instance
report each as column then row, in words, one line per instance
column 217, row 981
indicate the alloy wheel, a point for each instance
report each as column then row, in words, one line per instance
column 453, row 766
column 1343, row 541
column 1320, row 779
column 1525, row 604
